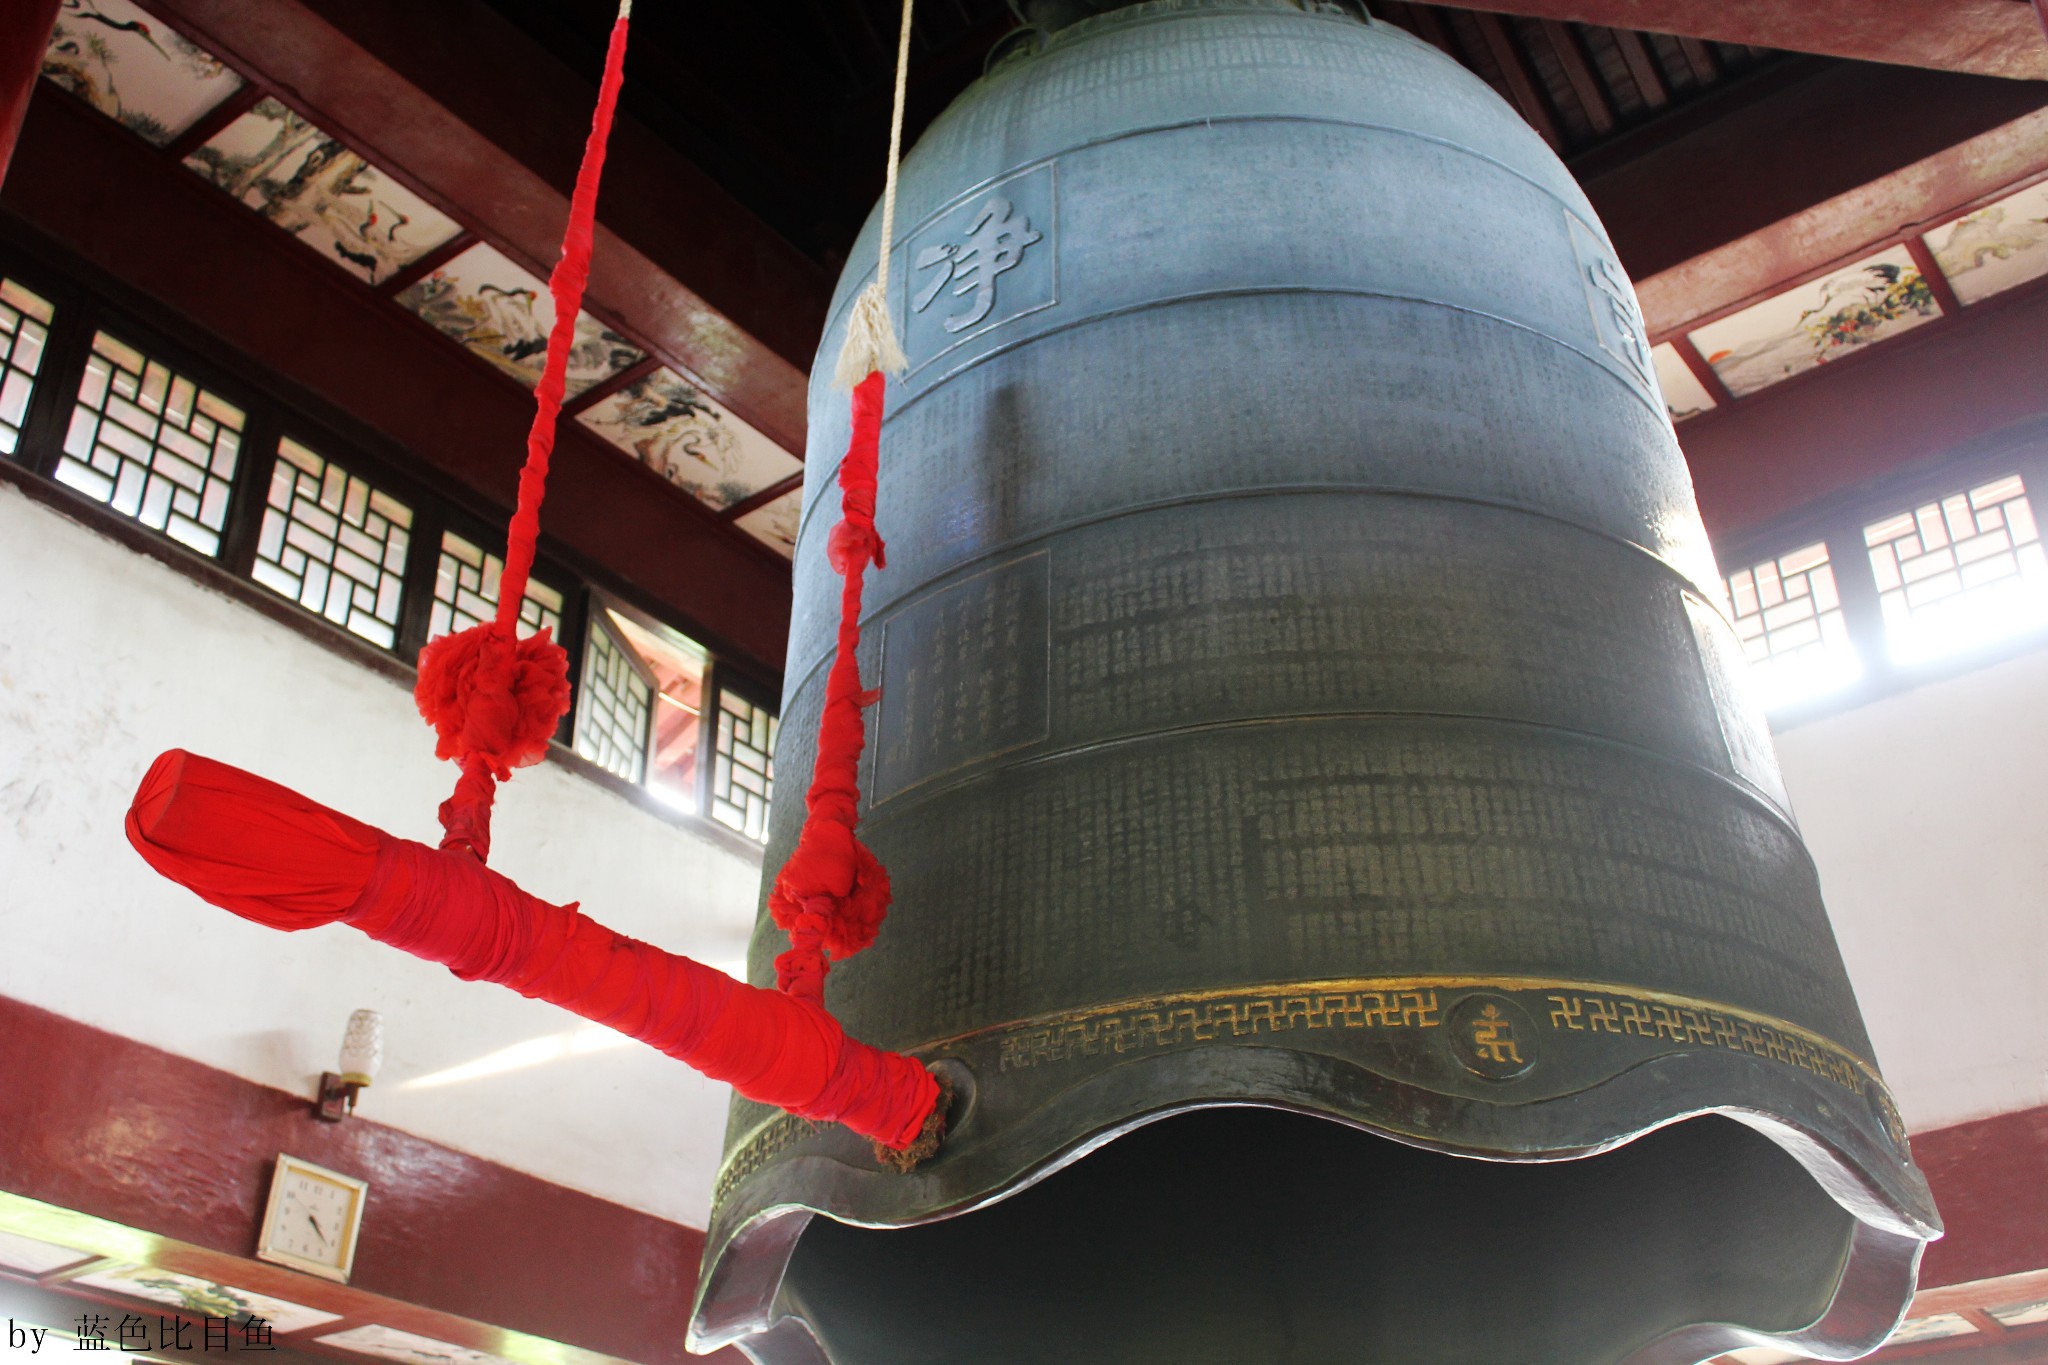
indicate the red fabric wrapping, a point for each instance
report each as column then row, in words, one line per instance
column 831, row 896
column 495, row 700
column 273, row 856
column 249, row 845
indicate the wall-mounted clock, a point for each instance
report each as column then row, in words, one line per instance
column 312, row 1219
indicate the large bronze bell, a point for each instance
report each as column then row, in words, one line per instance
column 1337, row 858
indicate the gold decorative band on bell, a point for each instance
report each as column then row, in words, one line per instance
column 1404, row 1002
column 1226, row 1013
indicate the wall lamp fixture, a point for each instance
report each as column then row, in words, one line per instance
column 362, row 1052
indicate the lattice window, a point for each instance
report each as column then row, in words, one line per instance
column 613, row 705
column 1791, row 625
column 743, row 770
column 676, row 665
column 153, row 445
column 466, row 592
column 334, row 544
column 1959, row 572
column 24, row 332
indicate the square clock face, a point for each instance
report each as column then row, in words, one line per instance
column 313, row 1218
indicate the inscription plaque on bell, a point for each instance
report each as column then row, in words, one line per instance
column 988, row 260
column 963, row 676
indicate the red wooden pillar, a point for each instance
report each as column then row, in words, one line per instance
column 24, row 32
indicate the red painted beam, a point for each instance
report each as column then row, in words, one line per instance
column 1988, row 37
column 1913, row 399
column 115, row 1129
column 1915, row 197
column 1732, row 166
column 1990, row 1181
column 24, row 33
column 170, row 234
column 450, row 98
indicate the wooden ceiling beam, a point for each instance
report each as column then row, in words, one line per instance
column 1592, row 95
column 1721, row 170
column 1986, row 37
column 1913, row 198
column 456, row 102
column 1642, row 67
column 197, row 253
column 1916, row 399
column 1524, row 91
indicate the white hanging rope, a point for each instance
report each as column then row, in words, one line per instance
column 870, row 336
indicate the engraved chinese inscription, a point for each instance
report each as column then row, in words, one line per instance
column 996, row 242
column 988, row 260
column 1617, row 320
column 963, row 676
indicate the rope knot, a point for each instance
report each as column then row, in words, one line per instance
column 853, row 545
column 493, row 698
column 494, row 702
column 830, row 898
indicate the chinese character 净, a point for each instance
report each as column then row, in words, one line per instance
column 995, row 243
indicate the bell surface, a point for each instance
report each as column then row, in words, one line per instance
column 1337, row 859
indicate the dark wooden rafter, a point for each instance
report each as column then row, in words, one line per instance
column 1705, row 69
column 1423, row 22
column 1986, row 37
column 1642, row 68
column 1580, row 87
column 1812, row 138
column 1591, row 93
column 1521, row 86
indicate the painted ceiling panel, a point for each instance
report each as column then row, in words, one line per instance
column 1821, row 320
column 774, row 525
column 132, row 67
column 674, row 428
column 328, row 197
column 1997, row 247
column 206, row 1298
column 1684, row 395
column 502, row 314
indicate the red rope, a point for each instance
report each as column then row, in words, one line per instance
column 831, row 895
column 493, row 699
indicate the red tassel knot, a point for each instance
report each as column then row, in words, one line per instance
column 494, row 702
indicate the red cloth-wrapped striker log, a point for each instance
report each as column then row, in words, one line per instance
column 273, row 856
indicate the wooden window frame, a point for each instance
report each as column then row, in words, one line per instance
column 274, row 411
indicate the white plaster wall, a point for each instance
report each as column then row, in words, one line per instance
column 108, row 658
column 1927, row 814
